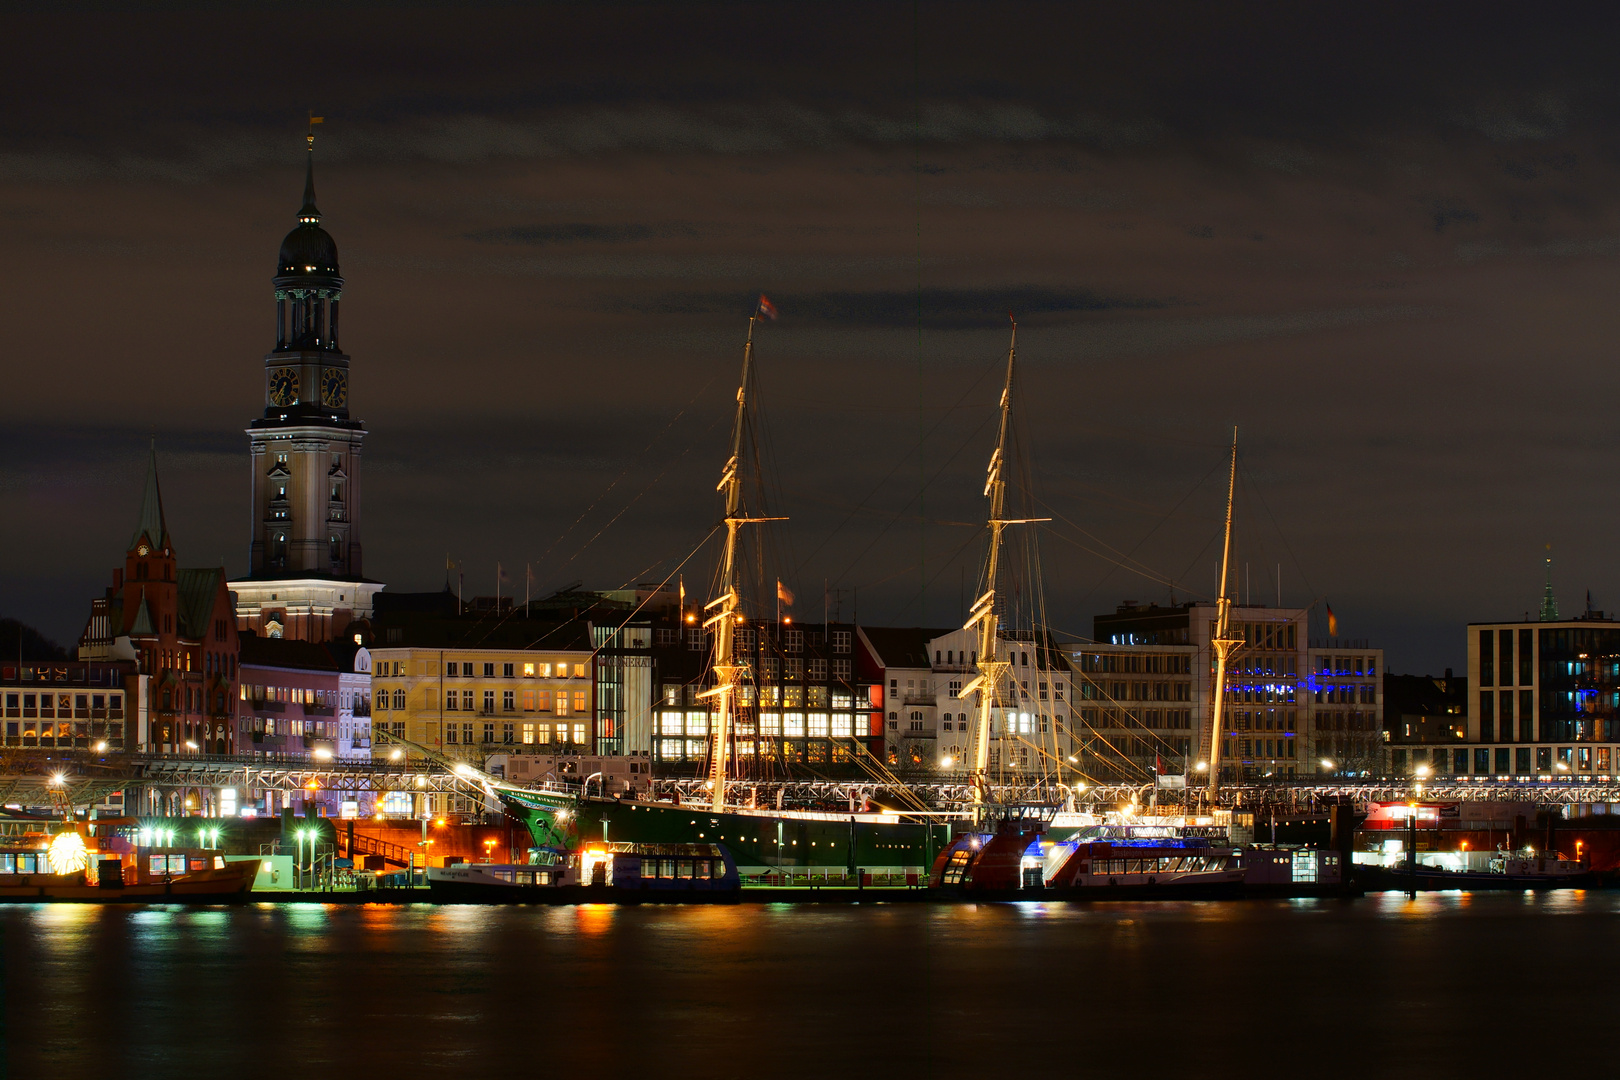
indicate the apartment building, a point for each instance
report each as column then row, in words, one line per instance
column 1164, row 654
column 928, row 722
column 1545, row 700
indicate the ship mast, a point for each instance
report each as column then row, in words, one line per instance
column 992, row 669
column 1223, row 642
column 724, row 621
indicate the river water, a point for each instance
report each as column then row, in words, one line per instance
column 1448, row 985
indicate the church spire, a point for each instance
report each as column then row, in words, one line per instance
column 151, row 524
column 309, row 215
column 1549, row 603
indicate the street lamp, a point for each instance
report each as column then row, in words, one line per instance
column 1328, row 765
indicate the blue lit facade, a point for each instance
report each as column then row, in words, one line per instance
column 1289, row 705
column 1544, row 699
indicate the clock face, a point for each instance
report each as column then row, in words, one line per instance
column 284, row 387
column 335, row 387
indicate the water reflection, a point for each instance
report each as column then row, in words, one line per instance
column 779, row 991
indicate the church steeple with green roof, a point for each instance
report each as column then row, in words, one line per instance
column 1549, row 602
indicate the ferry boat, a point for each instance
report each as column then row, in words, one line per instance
column 67, row 870
column 1101, row 862
column 598, row 873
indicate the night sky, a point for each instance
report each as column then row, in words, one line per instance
column 1382, row 240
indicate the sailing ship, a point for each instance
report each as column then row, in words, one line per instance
column 904, row 836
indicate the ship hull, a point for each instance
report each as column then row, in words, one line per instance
column 755, row 838
column 232, row 883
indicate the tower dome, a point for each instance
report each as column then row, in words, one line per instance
column 307, row 282
column 309, row 250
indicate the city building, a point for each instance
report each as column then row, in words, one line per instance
column 354, row 698
column 1135, row 705
column 1344, row 705
column 928, row 721
column 1425, row 717
column 176, row 626
column 1146, row 694
column 1544, row 698
column 467, row 683
column 288, row 703
column 811, row 700
column 74, row 704
column 305, row 577
column 306, row 701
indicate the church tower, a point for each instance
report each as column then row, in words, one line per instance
column 305, row 579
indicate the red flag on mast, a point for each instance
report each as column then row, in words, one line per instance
column 767, row 310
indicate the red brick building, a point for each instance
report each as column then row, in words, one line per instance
column 179, row 626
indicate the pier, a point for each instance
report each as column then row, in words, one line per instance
column 81, row 780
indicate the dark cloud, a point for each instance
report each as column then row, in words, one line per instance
column 555, row 220
column 936, row 308
column 572, row 232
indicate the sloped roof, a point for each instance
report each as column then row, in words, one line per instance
column 151, row 523
column 902, row 647
column 198, row 591
column 285, row 653
column 143, row 618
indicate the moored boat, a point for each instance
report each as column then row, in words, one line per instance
column 598, row 873
column 1107, row 862
column 206, row 878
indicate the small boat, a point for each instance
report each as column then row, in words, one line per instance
column 199, row 878
column 599, row 873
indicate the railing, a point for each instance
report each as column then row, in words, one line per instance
column 397, row 854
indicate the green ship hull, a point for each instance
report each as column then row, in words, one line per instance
column 754, row 838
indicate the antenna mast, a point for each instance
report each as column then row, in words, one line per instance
column 1223, row 643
